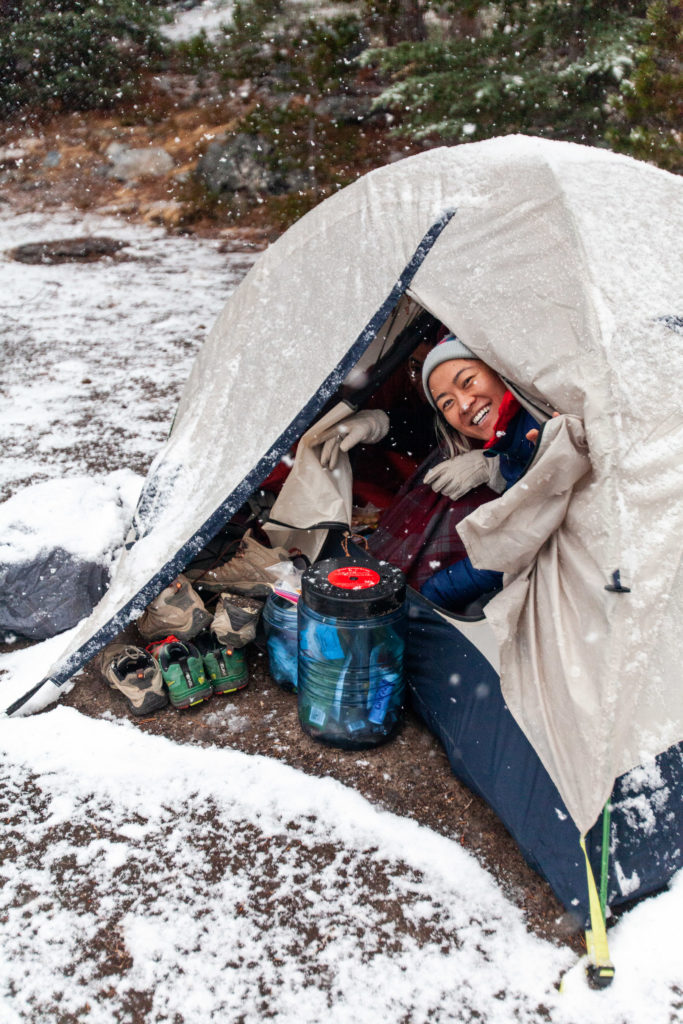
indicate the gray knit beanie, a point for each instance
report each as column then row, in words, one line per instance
column 450, row 348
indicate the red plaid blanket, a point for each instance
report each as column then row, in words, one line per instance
column 417, row 532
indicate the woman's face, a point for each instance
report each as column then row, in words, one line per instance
column 468, row 394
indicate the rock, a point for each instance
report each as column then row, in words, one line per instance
column 238, row 163
column 66, row 250
column 13, row 154
column 247, row 240
column 122, row 208
column 115, row 149
column 130, row 164
column 248, row 163
column 166, row 212
column 345, row 108
column 52, row 158
column 188, row 90
column 51, row 593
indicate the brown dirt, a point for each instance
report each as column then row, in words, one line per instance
column 183, row 119
column 80, row 179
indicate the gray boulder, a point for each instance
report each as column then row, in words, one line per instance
column 248, row 163
column 130, row 164
column 49, row 593
column 240, row 163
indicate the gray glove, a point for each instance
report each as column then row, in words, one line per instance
column 366, row 427
column 457, row 476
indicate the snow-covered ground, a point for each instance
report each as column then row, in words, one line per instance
column 94, row 354
column 209, row 885
column 142, row 880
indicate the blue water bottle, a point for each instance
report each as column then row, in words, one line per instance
column 352, row 628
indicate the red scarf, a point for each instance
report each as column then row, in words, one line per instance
column 508, row 409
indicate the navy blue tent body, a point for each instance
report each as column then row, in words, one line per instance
column 456, row 691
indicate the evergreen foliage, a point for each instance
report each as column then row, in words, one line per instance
column 650, row 106
column 73, row 54
column 270, row 43
column 542, row 67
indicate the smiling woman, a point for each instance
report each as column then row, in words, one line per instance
column 472, row 402
column 468, row 394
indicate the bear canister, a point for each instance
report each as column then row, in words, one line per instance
column 352, row 630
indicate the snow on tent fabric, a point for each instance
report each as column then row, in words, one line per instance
column 559, row 266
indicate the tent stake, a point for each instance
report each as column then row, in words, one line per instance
column 599, row 969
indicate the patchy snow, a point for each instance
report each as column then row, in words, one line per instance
column 20, row 670
column 220, row 886
column 96, row 353
column 95, row 357
column 212, row 17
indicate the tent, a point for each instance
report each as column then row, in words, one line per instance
column 559, row 266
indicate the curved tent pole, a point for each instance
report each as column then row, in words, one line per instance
column 251, row 481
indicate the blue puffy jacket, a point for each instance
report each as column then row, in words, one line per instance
column 460, row 584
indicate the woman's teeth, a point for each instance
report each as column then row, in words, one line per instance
column 476, row 420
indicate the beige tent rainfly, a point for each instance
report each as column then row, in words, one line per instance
column 559, row 266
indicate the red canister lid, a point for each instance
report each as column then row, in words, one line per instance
column 354, row 577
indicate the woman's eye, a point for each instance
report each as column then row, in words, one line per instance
column 446, row 404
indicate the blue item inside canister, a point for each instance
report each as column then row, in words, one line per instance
column 280, row 625
column 352, row 626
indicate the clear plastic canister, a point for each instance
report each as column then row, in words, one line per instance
column 280, row 625
column 352, row 628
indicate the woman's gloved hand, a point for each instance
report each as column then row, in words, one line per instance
column 366, row 427
column 457, row 476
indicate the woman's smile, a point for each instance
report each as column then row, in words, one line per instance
column 478, row 418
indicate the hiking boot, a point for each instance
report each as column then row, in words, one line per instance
column 225, row 667
column 245, row 573
column 234, row 623
column 136, row 675
column 178, row 610
column 183, row 672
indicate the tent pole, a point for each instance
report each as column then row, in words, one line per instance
column 604, row 866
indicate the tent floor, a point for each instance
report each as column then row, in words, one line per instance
column 262, row 719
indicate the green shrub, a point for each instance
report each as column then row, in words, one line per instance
column 70, row 54
column 649, row 109
column 543, row 68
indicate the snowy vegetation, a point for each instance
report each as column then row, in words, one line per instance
column 548, row 69
column 72, row 54
column 606, row 74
